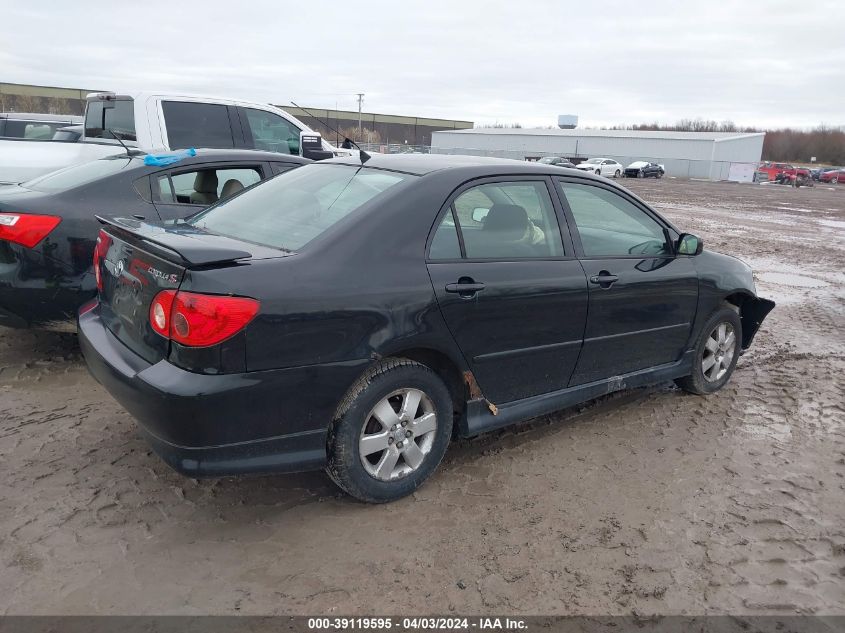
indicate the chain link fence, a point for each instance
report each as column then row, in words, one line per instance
column 395, row 148
column 674, row 167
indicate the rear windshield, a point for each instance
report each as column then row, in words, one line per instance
column 292, row 209
column 107, row 119
column 78, row 175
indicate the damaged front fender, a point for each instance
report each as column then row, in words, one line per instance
column 753, row 312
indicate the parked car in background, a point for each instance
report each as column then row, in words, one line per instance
column 836, row 175
column 557, row 161
column 69, row 134
column 346, row 316
column 25, row 125
column 48, row 230
column 602, row 167
column 772, row 169
column 789, row 176
column 644, row 169
column 815, row 172
column 156, row 122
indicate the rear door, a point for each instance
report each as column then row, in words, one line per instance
column 642, row 297
column 510, row 290
column 197, row 124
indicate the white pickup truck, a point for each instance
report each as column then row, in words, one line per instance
column 155, row 122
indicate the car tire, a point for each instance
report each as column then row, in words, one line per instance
column 617, row 174
column 660, row 174
column 716, row 352
column 384, row 474
column 641, row 174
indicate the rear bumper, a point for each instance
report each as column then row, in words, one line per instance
column 211, row 425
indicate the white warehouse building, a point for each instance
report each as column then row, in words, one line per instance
column 713, row 155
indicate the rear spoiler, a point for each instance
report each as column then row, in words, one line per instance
column 180, row 244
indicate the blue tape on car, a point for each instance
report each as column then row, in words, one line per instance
column 162, row 160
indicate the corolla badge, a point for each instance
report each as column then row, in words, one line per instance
column 170, row 277
column 118, row 269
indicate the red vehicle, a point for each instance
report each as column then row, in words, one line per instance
column 773, row 170
column 834, row 175
column 789, row 176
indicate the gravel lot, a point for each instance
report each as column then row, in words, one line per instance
column 649, row 501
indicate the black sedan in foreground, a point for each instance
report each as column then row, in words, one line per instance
column 644, row 169
column 48, row 229
column 355, row 317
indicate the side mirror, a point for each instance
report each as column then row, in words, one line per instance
column 689, row 244
column 479, row 214
column 311, row 146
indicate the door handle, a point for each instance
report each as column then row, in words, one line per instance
column 604, row 279
column 466, row 288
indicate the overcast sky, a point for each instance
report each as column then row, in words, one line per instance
column 764, row 63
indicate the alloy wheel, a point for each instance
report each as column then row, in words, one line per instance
column 719, row 352
column 398, row 434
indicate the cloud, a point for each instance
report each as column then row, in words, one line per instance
column 609, row 62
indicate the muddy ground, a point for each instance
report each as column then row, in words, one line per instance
column 651, row 501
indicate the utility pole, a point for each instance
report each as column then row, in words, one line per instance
column 360, row 103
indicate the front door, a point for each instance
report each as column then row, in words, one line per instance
column 643, row 297
column 509, row 288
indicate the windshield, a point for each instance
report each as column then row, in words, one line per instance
column 548, row 160
column 78, row 175
column 594, row 161
column 293, row 208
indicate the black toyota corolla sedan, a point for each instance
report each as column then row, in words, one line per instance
column 48, row 227
column 356, row 317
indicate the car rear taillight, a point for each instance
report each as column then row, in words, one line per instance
column 26, row 229
column 199, row 320
column 103, row 243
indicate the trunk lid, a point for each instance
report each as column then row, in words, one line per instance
column 138, row 260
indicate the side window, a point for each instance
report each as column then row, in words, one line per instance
column 40, row 131
column 231, row 181
column 204, row 186
column 445, row 243
column 165, row 189
column 272, row 133
column 611, row 226
column 280, row 168
column 508, row 220
column 197, row 125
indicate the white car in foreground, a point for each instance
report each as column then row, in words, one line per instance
column 602, row 166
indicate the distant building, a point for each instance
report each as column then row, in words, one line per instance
column 377, row 128
column 42, row 99
column 683, row 154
